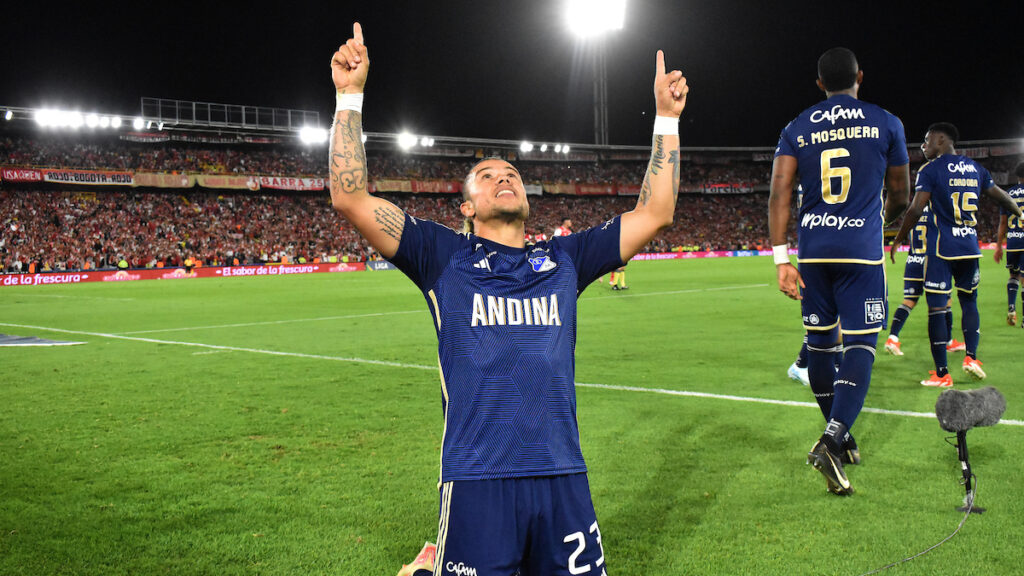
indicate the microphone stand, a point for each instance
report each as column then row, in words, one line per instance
column 965, row 465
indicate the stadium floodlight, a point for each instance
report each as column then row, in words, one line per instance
column 364, row 138
column 75, row 120
column 543, row 147
column 424, row 141
column 406, row 140
column 558, row 148
column 8, row 115
column 104, row 121
column 92, row 120
column 565, row 149
column 313, row 135
column 525, row 147
column 138, row 123
column 160, row 126
column 115, row 122
column 588, row 18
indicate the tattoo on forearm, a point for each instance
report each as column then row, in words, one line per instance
column 645, row 191
column 348, row 159
column 658, row 155
column 673, row 159
column 392, row 222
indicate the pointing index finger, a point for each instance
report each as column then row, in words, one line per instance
column 659, row 66
column 357, row 32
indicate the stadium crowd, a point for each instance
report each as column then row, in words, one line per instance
column 47, row 227
column 281, row 160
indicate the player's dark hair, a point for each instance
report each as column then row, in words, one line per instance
column 837, row 69
column 1019, row 170
column 564, row 218
column 947, row 129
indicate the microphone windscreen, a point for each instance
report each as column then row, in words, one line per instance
column 961, row 410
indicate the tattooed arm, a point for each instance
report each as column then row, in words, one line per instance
column 378, row 220
column 657, row 202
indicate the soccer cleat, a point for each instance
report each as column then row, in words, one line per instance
column 892, row 346
column 425, row 561
column 831, row 467
column 799, row 374
column 955, row 346
column 615, row 288
column 851, row 453
column 1011, row 318
column 936, row 381
column 972, row 366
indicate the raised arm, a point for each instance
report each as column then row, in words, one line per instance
column 378, row 220
column 657, row 202
column 779, row 199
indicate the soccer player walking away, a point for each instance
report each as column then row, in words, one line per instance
column 842, row 150
column 913, row 287
column 1011, row 234
column 950, row 185
column 513, row 485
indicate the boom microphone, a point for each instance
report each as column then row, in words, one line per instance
column 961, row 410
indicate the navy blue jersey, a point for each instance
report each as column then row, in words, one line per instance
column 919, row 235
column 843, row 147
column 1014, row 226
column 506, row 330
column 955, row 183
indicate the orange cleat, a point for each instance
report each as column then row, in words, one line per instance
column 972, row 366
column 955, row 346
column 936, row 381
column 424, row 561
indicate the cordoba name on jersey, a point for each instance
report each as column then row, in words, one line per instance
column 499, row 311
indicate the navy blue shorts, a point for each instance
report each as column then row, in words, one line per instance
column 543, row 526
column 854, row 294
column 1015, row 262
column 941, row 276
column 913, row 276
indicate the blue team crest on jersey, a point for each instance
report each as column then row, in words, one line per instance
column 542, row 263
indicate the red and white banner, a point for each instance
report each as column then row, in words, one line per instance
column 21, row 175
column 282, row 183
column 173, row 273
column 218, row 181
column 443, row 186
column 89, row 177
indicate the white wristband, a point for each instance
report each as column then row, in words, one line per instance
column 781, row 254
column 666, row 126
column 352, row 102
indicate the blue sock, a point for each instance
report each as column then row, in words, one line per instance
column 801, row 357
column 898, row 318
column 970, row 321
column 938, row 335
column 1011, row 293
column 822, row 373
column 949, row 322
column 853, row 379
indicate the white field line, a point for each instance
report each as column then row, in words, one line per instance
column 76, row 297
column 709, row 395
column 270, row 322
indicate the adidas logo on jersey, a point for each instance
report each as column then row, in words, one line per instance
column 836, row 113
column 483, row 263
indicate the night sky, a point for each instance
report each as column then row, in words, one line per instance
column 510, row 70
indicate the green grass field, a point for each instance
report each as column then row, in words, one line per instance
column 292, row 425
